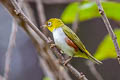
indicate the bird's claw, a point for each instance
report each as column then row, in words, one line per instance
column 67, row 61
column 61, row 51
column 82, row 76
column 49, row 40
column 52, row 45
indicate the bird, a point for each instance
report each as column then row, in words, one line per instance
column 67, row 40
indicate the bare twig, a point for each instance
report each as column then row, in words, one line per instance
column 93, row 70
column 48, row 61
column 9, row 50
column 41, row 11
column 44, row 58
column 37, row 42
column 80, row 76
column 109, row 28
column 41, row 14
column 75, row 23
column 1, row 78
column 46, row 69
column 29, row 10
column 17, row 13
column 56, row 1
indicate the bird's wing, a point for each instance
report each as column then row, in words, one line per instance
column 74, row 38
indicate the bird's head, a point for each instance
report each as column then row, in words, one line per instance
column 53, row 23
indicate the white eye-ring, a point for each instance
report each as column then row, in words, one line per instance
column 49, row 23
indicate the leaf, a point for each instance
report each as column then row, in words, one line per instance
column 46, row 78
column 69, row 13
column 89, row 10
column 106, row 49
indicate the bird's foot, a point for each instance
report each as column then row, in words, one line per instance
column 50, row 40
column 67, row 61
column 52, row 45
column 82, row 76
column 61, row 51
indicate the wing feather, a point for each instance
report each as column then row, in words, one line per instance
column 74, row 38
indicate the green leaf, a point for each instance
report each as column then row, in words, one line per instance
column 106, row 49
column 89, row 10
column 69, row 13
column 46, row 78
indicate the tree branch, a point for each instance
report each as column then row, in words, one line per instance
column 1, row 77
column 48, row 61
column 75, row 23
column 109, row 28
column 93, row 70
column 17, row 13
column 41, row 14
column 9, row 50
column 44, row 60
column 40, row 9
column 56, row 1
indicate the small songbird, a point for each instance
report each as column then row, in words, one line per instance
column 67, row 40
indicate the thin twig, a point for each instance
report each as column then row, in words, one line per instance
column 80, row 76
column 75, row 27
column 41, row 11
column 37, row 41
column 9, row 50
column 43, row 57
column 41, row 14
column 109, row 28
column 93, row 70
column 56, row 1
column 1, row 78
column 18, row 14
column 51, row 67
column 22, row 16
column 28, row 9
column 75, row 23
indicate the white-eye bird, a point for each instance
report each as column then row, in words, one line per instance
column 67, row 40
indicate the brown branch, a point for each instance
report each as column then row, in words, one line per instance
column 80, row 76
column 17, row 13
column 9, row 50
column 41, row 11
column 109, row 28
column 41, row 14
column 1, row 77
column 89, row 63
column 75, row 23
column 29, row 11
column 43, row 59
column 48, row 61
column 93, row 70
column 56, row 1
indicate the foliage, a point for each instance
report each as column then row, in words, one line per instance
column 46, row 78
column 106, row 48
column 89, row 10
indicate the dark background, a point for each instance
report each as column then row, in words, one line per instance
column 24, row 64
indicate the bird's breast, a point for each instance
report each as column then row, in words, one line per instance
column 59, row 38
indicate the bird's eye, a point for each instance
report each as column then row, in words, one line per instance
column 49, row 23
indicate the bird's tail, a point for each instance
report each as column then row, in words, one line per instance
column 93, row 58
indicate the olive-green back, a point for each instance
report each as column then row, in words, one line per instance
column 74, row 38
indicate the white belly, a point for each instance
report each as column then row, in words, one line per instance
column 59, row 38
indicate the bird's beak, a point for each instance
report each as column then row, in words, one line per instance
column 44, row 26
